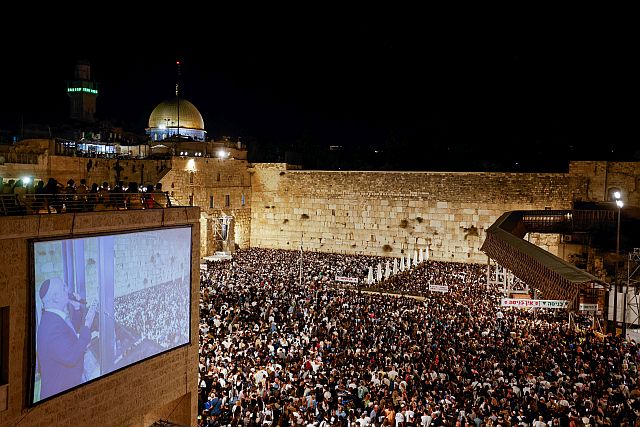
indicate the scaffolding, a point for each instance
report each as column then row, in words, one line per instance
column 220, row 230
column 631, row 304
column 499, row 277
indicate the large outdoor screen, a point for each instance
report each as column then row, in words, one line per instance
column 102, row 303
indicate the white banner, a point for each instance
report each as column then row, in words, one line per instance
column 439, row 288
column 588, row 307
column 534, row 303
column 347, row 279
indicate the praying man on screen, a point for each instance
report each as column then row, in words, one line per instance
column 62, row 338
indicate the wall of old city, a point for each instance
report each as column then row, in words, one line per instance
column 354, row 212
column 161, row 388
column 391, row 213
column 222, row 188
column 98, row 170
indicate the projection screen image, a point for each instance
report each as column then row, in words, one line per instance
column 102, row 303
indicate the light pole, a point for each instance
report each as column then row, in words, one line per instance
column 619, row 204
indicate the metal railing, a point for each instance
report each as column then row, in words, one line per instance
column 566, row 221
column 34, row 204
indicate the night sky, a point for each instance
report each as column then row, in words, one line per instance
column 396, row 94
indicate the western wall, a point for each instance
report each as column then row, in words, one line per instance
column 277, row 205
column 393, row 213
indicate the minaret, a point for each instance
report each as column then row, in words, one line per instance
column 82, row 94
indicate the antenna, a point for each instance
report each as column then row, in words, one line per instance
column 178, row 79
column 178, row 95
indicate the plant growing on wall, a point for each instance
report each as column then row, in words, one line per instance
column 419, row 219
column 285, row 221
column 304, row 216
column 471, row 231
column 404, row 223
column 387, row 248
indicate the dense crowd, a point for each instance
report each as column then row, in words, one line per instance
column 277, row 352
column 158, row 313
column 20, row 197
column 462, row 278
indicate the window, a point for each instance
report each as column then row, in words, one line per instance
column 191, row 178
column 4, row 344
column 191, row 199
column 227, row 200
column 242, row 181
column 210, row 202
column 218, row 177
column 242, row 199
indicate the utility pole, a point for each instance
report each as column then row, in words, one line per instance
column 619, row 204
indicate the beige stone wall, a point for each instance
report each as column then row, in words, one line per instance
column 242, row 228
column 602, row 177
column 20, row 170
column 163, row 387
column 354, row 212
column 389, row 213
column 200, row 180
column 97, row 170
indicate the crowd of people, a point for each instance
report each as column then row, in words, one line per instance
column 274, row 351
column 158, row 313
column 18, row 197
column 463, row 278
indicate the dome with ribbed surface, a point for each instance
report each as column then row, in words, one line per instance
column 166, row 115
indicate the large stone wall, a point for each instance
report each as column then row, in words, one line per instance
column 98, row 170
column 206, row 182
column 163, row 387
column 355, row 212
column 391, row 213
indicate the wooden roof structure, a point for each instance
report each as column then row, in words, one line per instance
column 554, row 277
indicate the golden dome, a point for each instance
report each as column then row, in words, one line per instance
column 165, row 115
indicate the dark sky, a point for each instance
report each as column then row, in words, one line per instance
column 426, row 94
